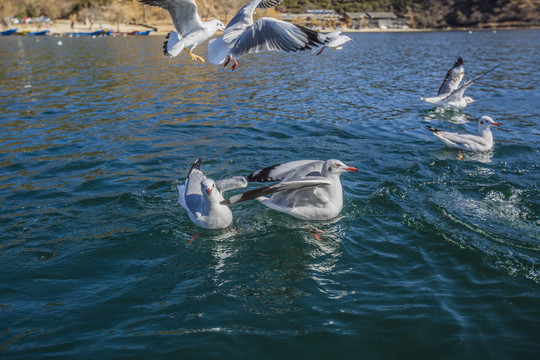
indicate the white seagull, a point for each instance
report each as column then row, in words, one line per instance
column 308, row 189
column 335, row 41
column 190, row 32
column 243, row 36
column 201, row 198
column 481, row 142
column 450, row 94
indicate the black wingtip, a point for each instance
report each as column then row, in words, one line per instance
column 459, row 61
column 431, row 128
column 262, row 175
column 165, row 52
column 312, row 37
column 196, row 166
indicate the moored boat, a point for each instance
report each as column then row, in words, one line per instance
column 37, row 33
column 7, row 32
column 140, row 32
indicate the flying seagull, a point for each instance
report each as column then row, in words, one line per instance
column 335, row 41
column 190, row 32
column 243, row 36
column 201, row 198
column 450, row 94
column 307, row 189
column 481, row 142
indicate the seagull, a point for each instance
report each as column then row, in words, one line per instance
column 190, row 32
column 243, row 36
column 308, row 189
column 335, row 41
column 450, row 94
column 481, row 142
column 201, row 198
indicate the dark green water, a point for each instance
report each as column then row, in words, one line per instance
column 431, row 258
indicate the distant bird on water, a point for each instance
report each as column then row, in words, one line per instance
column 481, row 142
column 243, row 36
column 450, row 94
column 190, row 32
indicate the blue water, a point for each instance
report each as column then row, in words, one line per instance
column 432, row 257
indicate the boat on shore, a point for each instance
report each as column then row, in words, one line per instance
column 37, row 33
column 91, row 33
column 7, row 32
column 140, row 32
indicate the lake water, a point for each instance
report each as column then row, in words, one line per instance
column 432, row 257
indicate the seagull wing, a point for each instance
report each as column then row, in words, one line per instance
column 458, row 93
column 453, row 78
column 183, row 13
column 268, row 34
column 244, row 17
column 271, row 189
column 280, row 171
column 235, row 182
column 190, row 196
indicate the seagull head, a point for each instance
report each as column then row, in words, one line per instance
column 486, row 121
column 469, row 100
column 208, row 186
column 336, row 167
column 219, row 25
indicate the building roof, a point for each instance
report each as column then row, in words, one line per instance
column 381, row 15
column 356, row 15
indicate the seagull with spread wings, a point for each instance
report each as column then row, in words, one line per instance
column 190, row 32
column 244, row 36
column 450, row 93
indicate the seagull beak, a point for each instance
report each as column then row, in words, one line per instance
column 208, row 191
column 350, row 168
column 496, row 124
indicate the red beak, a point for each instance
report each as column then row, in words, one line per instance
column 350, row 168
column 209, row 191
column 496, row 123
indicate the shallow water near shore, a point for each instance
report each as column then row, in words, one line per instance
column 431, row 257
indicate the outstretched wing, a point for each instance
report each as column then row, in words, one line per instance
column 244, row 17
column 268, row 34
column 271, row 189
column 235, row 182
column 183, row 13
column 453, row 78
column 458, row 93
column 280, row 171
column 191, row 192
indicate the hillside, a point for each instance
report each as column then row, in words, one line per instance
column 424, row 13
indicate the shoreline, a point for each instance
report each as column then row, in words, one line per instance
column 64, row 27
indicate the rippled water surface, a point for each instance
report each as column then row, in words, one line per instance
column 431, row 257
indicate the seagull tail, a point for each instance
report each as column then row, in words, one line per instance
column 173, row 45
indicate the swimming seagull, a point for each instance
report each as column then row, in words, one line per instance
column 243, row 36
column 450, row 94
column 308, row 189
column 201, row 198
column 190, row 32
column 481, row 142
